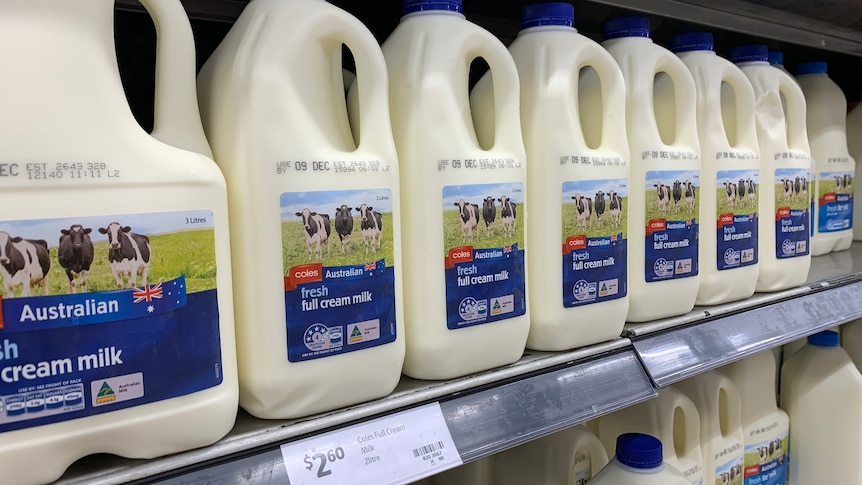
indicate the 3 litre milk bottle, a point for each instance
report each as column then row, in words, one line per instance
column 721, row 440
column 114, row 249
column 785, row 164
column 730, row 172
column 572, row 116
column 568, row 457
column 821, row 390
column 315, row 214
column 672, row 418
column 851, row 341
column 664, row 189
column 465, row 297
column 638, row 461
column 834, row 168
column 854, row 146
column 765, row 427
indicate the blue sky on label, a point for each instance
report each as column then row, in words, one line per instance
column 790, row 173
column 667, row 177
column 723, row 176
column 326, row 201
column 588, row 188
column 476, row 193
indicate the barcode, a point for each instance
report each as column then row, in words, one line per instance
column 429, row 448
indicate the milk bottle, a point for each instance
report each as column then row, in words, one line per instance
column 316, row 232
column 638, row 461
column 729, row 174
column 571, row 456
column 672, row 418
column 572, row 115
column 664, row 186
column 832, row 194
column 785, row 163
column 821, row 390
column 464, row 220
column 118, row 334
column 721, row 438
column 851, row 341
column 854, row 146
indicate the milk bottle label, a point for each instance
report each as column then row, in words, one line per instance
column 835, row 201
column 594, row 241
column 483, row 240
column 791, row 212
column 736, row 233
column 766, row 460
column 581, row 469
column 101, row 313
column 339, row 283
column 671, row 230
column 729, row 468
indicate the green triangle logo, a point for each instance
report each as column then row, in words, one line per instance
column 679, row 266
column 604, row 287
column 105, row 390
column 355, row 332
column 496, row 304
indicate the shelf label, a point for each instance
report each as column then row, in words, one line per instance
column 398, row 448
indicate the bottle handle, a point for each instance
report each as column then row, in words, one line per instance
column 733, row 403
column 611, row 102
column 177, row 119
column 692, row 423
column 795, row 117
column 743, row 93
column 685, row 94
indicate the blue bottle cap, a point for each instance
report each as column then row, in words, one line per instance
column 625, row 27
column 639, row 450
column 748, row 53
column 692, row 41
column 811, row 68
column 776, row 57
column 410, row 6
column 548, row 13
column 826, row 338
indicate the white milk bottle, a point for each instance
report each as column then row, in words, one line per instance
column 730, row 171
column 664, row 188
column 567, row 457
column 638, row 461
column 721, row 440
column 316, row 233
column 821, row 390
column 834, row 168
column 117, row 296
column 785, row 164
column 765, row 427
column 672, row 418
column 851, row 341
column 854, row 146
column 572, row 116
column 464, row 276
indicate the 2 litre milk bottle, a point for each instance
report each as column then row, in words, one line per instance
column 854, row 146
column 721, row 440
column 672, row 418
column 821, row 390
column 664, row 187
column 569, row 457
column 766, row 428
column 834, row 168
column 465, row 286
column 638, row 461
column 572, row 116
column 115, row 251
column 315, row 214
column 730, row 171
column 785, row 166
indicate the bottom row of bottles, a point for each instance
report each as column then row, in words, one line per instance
column 744, row 424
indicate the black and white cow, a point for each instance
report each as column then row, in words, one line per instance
column 797, row 187
column 600, row 206
column 662, row 192
column 371, row 224
column 689, row 195
column 752, row 192
column 317, row 231
column 584, row 205
column 24, row 263
column 839, row 183
column 129, row 254
column 803, row 191
column 741, row 191
column 848, row 183
column 75, row 255
column 615, row 207
column 676, row 194
column 787, row 184
column 508, row 215
column 489, row 214
column 730, row 190
column 344, row 226
column 469, row 216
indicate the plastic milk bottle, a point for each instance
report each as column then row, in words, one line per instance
column 664, row 187
column 315, row 214
column 785, row 164
column 854, row 145
column 572, row 116
column 464, row 219
column 114, row 249
column 638, row 461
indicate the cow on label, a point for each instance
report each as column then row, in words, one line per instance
column 469, row 217
column 75, row 255
column 741, row 191
column 24, row 263
column 317, row 230
column 129, row 254
column 730, row 190
column 599, row 205
column 584, row 206
column 752, row 192
column 615, row 207
column 787, row 184
column 489, row 214
column 371, row 224
column 344, row 226
column 676, row 193
column 662, row 193
column 689, row 195
column 508, row 215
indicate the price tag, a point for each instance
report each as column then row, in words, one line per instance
column 393, row 449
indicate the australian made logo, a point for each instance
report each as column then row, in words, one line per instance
column 106, row 394
column 355, row 335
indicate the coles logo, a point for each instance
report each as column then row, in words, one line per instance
column 782, row 213
column 306, row 273
column 725, row 219
column 573, row 243
column 463, row 254
column 655, row 225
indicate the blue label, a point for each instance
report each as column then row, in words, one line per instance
column 339, row 291
column 671, row 240
column 766, row 462
column 483, row 240
column 736, row 223
column 792, row 212
column 834, row 201
column 67, row 354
